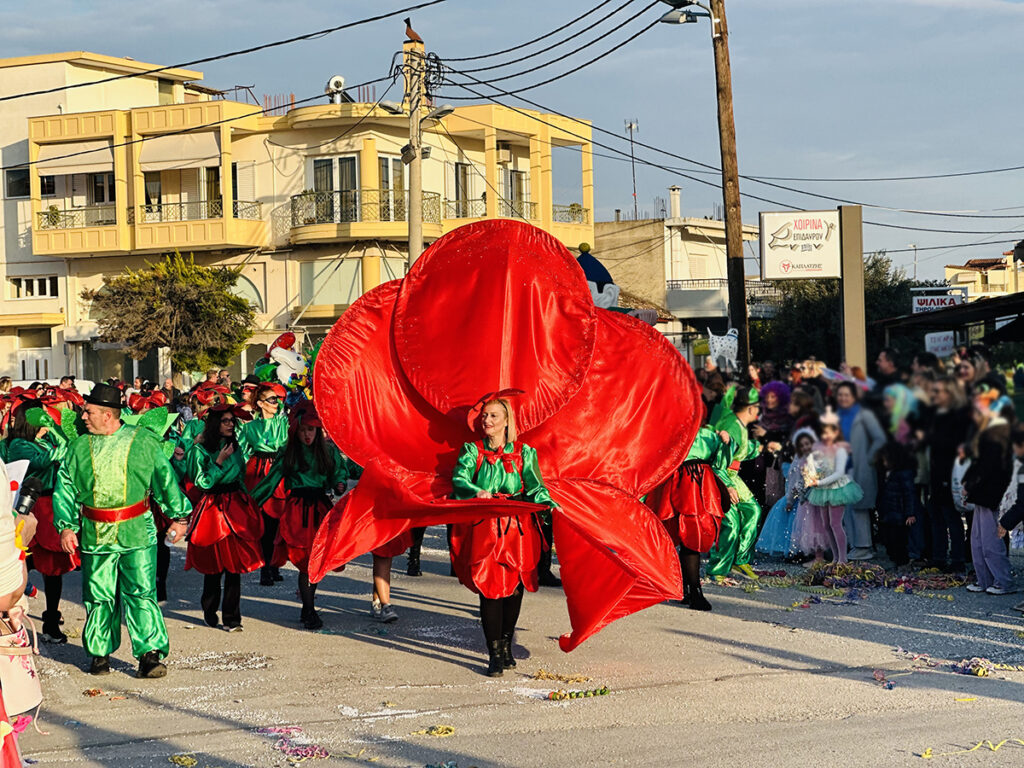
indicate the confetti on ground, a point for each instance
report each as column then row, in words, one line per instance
column 186, row 761
column 543, row 674
column 929, row 753
column 92, row 692
column 562, row 695
column 211, row 661
column 976, row 666
column 968, row 698
column 883, row 680
column 292, row 744
column 440, row 731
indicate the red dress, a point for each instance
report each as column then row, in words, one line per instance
column 9, row 757
column 47, row 556
column 257, row 468
column 691, row 504
column 304, row 510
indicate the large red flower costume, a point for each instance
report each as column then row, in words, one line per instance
column 609, row 405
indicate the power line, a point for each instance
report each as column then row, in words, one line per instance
column 536, row 39
column 483, row 176
column 180, row 131
column 560, row 42
column 218, row 57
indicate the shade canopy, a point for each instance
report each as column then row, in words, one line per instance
column 75, row 157
column 185, row 150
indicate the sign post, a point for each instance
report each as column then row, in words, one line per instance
column 855, row 348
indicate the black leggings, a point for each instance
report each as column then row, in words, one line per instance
column 307, row 591
column 231, row 608
column 499, row 616
column 689, row 562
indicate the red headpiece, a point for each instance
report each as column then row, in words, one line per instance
column 236, row 410
column 478, row 406
column 140, row 403
column 305, row 414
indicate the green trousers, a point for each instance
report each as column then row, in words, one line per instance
column 116, row 582
column 736, row 539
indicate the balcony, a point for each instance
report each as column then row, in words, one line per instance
column 77, row 218
column 574, row 213
column 360, row 214
column 198, row 225
column 517, row 209
column 84, row 230
column 465, row 209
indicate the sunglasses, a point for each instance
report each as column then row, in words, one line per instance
column 273, row 399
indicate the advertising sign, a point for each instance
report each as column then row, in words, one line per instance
column 800, row 245
column 941, row 343
column 926, row 303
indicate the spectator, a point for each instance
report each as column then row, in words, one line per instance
column 66, row 382
column 944, row 436
column 926, row 361
column 860, row 428
column 171, row 392
column 888, row 369
column 803, row 410
column 224, row 377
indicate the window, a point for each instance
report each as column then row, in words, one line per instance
column 33, row 338
column 48, row 186
column 330, row 281
column 336, row 182
column 35, row 287
column 17, row 183
column 102, row 188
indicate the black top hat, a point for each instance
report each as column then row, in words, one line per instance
column 252, row 378
column 104, row 395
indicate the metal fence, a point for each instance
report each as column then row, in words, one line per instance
column 73, row 218
column 517, row 209
column 194, row 210
column 711, row 283
column 465, row 209
column 573, row 213
column 374, row 205
column 247, row 209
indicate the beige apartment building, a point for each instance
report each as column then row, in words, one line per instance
column 312, row 204
column 985, row 278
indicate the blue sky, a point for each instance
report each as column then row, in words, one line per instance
column 822, row 88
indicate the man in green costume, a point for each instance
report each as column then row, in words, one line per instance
column 103, row 488
column 739, row 409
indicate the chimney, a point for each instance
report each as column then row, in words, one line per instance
column 675, row 211
column 618, row 215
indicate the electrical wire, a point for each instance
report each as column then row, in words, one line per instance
column 220, row 56
column 479, row 173
column 561, row 42
column 180, row 131
column 536, row 39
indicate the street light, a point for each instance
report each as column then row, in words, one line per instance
column 730, row 172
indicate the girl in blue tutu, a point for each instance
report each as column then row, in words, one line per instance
column 778, row 532
column 830, row 486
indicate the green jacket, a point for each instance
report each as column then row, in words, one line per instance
column 264, row 435
column 308, row 477
column 740, row 448
column 43, row 456
column 494, row 478
column 708, row 446
column 112, row 471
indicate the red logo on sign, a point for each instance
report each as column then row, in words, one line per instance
column 786, row 266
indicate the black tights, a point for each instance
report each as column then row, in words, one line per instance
column 307, row 591
column 54, row 586
column 499, row 616
column 689, row 561
column 269, row 538
column 231, row 611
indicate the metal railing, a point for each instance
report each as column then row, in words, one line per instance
column 248, row 210
column 465, row 209
column 152, row 213
column 74, row 218
column 517, row 209
column 574, row 213
column 716, row 283
column 372, row 205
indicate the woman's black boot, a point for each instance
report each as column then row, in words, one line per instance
column 496, row 666
column 508, row 661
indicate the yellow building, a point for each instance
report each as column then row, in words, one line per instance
column 311, row 203
column 985, row 278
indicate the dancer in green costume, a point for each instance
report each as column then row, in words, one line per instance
column 103, row 489
column 737, row 411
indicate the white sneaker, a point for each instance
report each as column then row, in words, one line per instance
column 861, row 553
column 375, row 610
column 994, row 590
column 975, row 588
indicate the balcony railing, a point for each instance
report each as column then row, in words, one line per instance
column 573, row 213
column 352, row 205
column 760, row 291
column 465, row 209
column 74, row 218
column 153, row 213
column 711, row 283
column 247, row 209
column 517, row 209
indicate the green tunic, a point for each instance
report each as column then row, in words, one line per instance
column 43, row 456
column 263, row 435
column 708, row 446
column 740, row 448
column 112, row 471
column 305, row 475
column 494, row 478
column 201, row 467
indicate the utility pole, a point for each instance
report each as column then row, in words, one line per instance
column 633, row 125
column 914, row 246
column 414, row 55
column 730, row 184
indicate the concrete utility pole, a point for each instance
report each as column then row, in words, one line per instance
column 633, row 125
column 414, row 55
column 730, row 184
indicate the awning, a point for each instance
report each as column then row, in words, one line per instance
column 85, row 157
column 185, row 150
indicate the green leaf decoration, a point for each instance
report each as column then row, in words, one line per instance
column 157, row 420
column 39, row 418
column 168, row 448
column 71, row 424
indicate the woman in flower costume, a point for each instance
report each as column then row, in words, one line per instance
column 225, row 528
column 830, row 488
column 310, row 468
column 497, row 557
column 35, row 436
column 692, row 503
column 263, row 439
column 738, row 410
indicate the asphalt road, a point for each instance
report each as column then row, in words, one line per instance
column 754, row 683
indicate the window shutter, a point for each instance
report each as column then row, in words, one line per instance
column 246, row 175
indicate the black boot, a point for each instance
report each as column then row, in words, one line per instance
column 508, row 661
column 496, row 665
column 52, row 632
column 100, row 665
column 544, row 575
column 275, row 573
column 150, row 665
column 161, row 591
column 413, row 568
column 697, row 600
column 311, row 619
column 266, row 577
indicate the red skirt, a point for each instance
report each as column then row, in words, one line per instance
column 493, row 556
column 691, row 504
column 47, row 556
column 302, row 515
column 257, row 469
column 396, row 546
column 224, row 534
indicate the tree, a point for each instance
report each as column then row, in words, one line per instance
column 809, row 320
column 178, row 304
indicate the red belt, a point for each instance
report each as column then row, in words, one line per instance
column 735, row 466
column 117, row 515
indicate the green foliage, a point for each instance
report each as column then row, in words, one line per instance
column 177, row 304
column 809, row 321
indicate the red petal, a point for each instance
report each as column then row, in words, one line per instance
column 493, row 305
column 615, row 557
column 367, row 406
column 635, row 418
